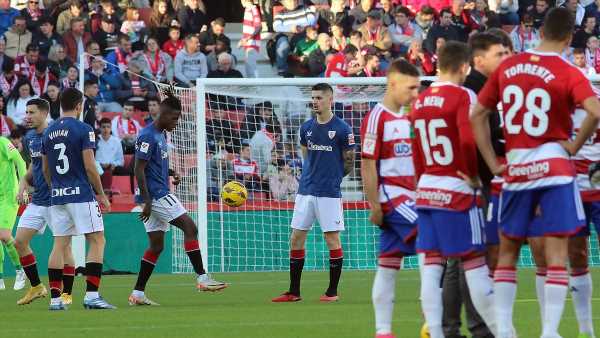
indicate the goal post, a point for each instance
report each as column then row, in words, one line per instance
column 220, row 118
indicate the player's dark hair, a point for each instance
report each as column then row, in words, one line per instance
column 445, row 10
column 427, row 10
column 482, row 42
column 153, row 98
column 452, row 56
column 41, row 104
column 88, row 83
column 403, row 10
column 350, row 49
column 559, row 24
column 105, row 120
column 324, row 87
column 128, row 103
column 401, row 66
column 506, row 40
column 578, row 51
column 171, row 103
column 70, row 98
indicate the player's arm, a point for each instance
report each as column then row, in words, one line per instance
column 24, row 186
column 349, row 157
column 46, row 170
column 139, row 171
column 368, row 166
column 468, row 148
column 304, row 151
column 480, row 117
column 15, row 157
column 368, row 172
column 89, row 164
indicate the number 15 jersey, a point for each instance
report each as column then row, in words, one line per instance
column 539, row 93
column 63, row 144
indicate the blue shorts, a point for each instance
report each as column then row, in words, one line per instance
column 492, row 237
column 592, row 215
column 398, row 234
column 450, row 233
column 561, row 209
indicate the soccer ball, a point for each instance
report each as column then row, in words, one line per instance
column 234, row 194
column 425, row 331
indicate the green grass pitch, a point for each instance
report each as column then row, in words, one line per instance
column 245, row 310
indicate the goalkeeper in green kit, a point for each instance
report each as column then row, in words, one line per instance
column 10, row 159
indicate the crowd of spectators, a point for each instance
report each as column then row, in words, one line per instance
column 128, row 44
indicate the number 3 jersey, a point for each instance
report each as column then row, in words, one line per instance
column 442, row 146
column 385, row 138
column 63, row 144
column 538, row 92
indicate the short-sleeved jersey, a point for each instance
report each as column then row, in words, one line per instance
column 32, row 144
column 63, row 144
column 8, row 172
column 443, row 145
column 151, row 146
column 386, row 138
column 588, row 154
column 323, row 168
column 539, row 92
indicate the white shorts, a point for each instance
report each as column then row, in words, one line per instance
column 35, row 217
column 328, row 211
column 164, row 210
column 76, row 219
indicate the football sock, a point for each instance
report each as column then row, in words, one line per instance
column 481, row 289
column 581, row 292
column 93, row 272
column 296, row 266
column 13, row 254
column 30, row 266
column 505, row 289
column 68, row 279
column 555, row 293
column 384, row 288
column 336, row 261
column 146, row 267
column 192, row 249
column 431, row 298
column 55, row 282
column 540, row 282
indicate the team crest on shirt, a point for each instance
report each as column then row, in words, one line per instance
column 309, row 133
column 144, row 147
column 331, row 134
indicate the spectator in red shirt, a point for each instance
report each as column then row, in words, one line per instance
column 41, row 77
column 423, row 59
column 76, row 38
column 25, row 64
column 174, row 44
column 372, row 67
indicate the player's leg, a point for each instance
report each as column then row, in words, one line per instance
column 302, row 219
column 55, row 270
column 538, row 252
column 580, row 283
column 28, row 261
column 68, row 275
column 336, row 261
column 156, row 241
column 452, row 299
column 563, row 216
column 7, row 222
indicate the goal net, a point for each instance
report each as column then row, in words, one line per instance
column 247, row 130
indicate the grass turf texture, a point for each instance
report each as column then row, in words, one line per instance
column 245, row 310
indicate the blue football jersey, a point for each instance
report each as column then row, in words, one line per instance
column 151, row 146
column 63, row 144
column 323, row 169
column 32, row 143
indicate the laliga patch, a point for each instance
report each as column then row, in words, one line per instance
column 351, row 139
column 369, row 144
column 92, row 136
column 144, row 147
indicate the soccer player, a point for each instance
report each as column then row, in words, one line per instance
column 37, row 214
column 328, row 152
column 388, row 179
column 161, row 208
column 70, row 170
column 9, row 160
column 539, row 91
column 450, row 222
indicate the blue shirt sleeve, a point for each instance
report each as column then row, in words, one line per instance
column 44, row 141
column 348, row 137
column 25, row 143
column 144, row 146
column 303, row 134
column 88, row 138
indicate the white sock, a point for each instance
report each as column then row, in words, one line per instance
column 91, row 295
column 383, row 295
column 138, row 293
column 540, row 282
column 505, row 290
column 581, row 292
column 55, row 301
column 431, row 298
column 481, row 289
column 555, row 294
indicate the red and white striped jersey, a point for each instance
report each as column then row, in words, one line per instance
column 386, row 138
column 588, row 154
column 251, row 24
column 443, row 145
column 539, row 92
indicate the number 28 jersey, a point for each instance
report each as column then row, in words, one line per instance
column 539, row 93
column 63, row 144
column 443, row 145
